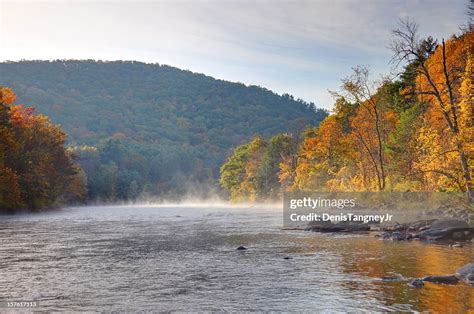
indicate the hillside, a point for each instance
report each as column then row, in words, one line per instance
column 152, row 124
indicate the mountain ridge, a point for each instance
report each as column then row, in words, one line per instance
column 154, row 110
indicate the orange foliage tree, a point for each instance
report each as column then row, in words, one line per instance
column 35, row 168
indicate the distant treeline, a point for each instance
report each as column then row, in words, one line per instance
column 413, row 133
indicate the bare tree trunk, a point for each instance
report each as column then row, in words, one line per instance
column 372, row 159
column 466, row 173
column 380, row 149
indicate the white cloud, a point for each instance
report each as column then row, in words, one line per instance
column 271, row 43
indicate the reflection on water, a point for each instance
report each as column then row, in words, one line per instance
column 175, row 258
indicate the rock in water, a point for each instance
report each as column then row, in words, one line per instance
column 449, row 230
column 241, row 248
column 448, row 223
column 466, row 273
column 397, row 236
column 417, row 283
column 450, row 280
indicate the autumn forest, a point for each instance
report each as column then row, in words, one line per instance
column 165, row 132
column 413, row 132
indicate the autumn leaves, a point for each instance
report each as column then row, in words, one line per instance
column 35, row 168
column 414, row 133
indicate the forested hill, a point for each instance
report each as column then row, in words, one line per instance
column 151, row 102
column 152, row 123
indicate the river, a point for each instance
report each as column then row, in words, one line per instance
column 184, row 258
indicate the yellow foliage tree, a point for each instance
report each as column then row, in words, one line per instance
column 440, row 71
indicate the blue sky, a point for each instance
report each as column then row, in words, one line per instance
column 303, row 48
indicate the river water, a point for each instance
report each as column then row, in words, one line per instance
column 184, row 258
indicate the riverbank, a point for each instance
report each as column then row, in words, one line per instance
column 449, row 230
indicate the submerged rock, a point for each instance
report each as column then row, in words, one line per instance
column 241, row 248
column 393, row 277
column 338, row 227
